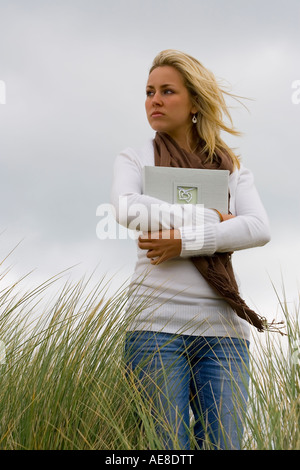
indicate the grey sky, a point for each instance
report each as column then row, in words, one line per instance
column 75, row 74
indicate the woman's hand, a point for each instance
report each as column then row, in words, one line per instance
column 161, row 245
column 164, row 244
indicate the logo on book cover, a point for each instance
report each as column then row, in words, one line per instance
column 187, row 195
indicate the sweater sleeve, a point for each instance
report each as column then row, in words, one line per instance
column 250, row 227
column 140, row 212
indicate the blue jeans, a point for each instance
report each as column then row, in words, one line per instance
column 179, row 373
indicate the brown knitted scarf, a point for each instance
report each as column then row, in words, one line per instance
column 216, row 269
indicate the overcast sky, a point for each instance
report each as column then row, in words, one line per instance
column 75, row 74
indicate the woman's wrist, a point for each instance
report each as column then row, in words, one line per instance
column 223, row 216
column 219, row 214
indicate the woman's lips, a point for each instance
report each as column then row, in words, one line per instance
column 156, row 114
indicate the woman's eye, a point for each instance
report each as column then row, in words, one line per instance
column 150, row 93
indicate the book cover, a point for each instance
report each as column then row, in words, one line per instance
column 187, row 186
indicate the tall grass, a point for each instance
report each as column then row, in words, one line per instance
column 273, row 418
column 63, row 382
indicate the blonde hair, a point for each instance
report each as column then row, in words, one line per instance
column 208, row 98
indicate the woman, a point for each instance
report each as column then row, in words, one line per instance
column 189, row 342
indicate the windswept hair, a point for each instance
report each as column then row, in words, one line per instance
column 207, row 96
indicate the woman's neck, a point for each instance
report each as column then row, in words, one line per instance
column 185, row 141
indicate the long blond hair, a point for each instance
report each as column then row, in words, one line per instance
column 208, row 98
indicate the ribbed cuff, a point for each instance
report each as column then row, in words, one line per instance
column 197, row 241
column 211, row 216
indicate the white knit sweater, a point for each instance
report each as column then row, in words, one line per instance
column 174, row 296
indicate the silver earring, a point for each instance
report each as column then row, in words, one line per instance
column 194, row 119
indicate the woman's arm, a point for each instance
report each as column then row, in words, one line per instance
column 249, row 228
column 140, row 212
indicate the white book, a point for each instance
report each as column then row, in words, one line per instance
column 187, row 186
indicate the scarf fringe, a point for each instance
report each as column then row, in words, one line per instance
column 261, row 323
column 224, row 283
column 274, row 327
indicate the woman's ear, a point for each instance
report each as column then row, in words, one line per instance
column 194, row 110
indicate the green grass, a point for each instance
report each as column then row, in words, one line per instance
column 63, row 383
column 273, row 418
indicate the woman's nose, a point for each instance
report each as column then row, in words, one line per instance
column 156, row 99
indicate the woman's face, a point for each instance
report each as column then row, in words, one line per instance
column 168, row 104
